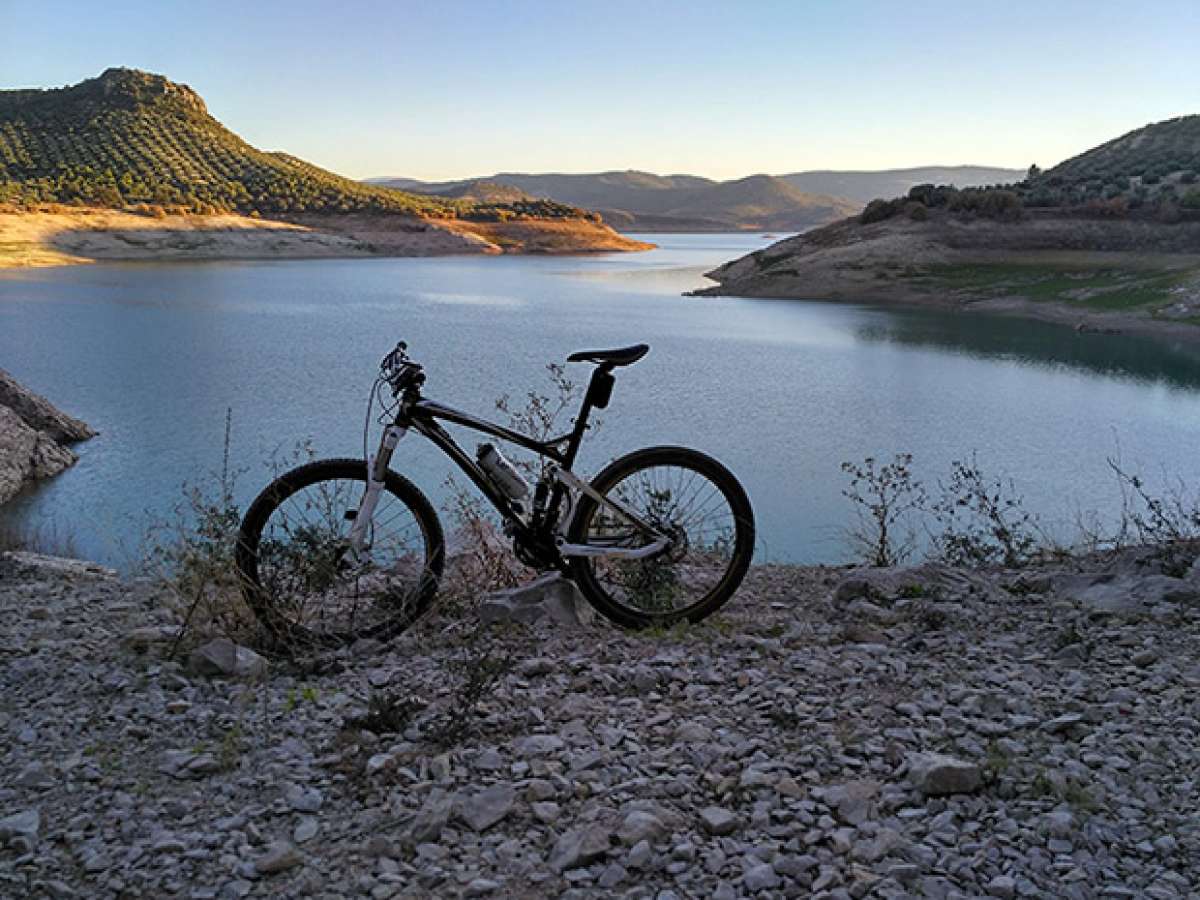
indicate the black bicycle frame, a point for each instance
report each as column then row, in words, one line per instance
column 423, row 415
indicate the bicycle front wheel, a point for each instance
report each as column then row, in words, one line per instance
column 705, row 514
column 302, row 579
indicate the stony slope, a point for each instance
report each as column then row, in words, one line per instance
column 918, row 733
column 32, row 437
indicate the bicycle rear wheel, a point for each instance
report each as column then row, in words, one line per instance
column 297, row 570
column 698, row 504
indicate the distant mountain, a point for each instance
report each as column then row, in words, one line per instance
column 866, row 185
column 130, row 137
column 481, row 191
column 634, row 201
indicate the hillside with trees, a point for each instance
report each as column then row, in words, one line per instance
column 130, row 138
column 1150, row 173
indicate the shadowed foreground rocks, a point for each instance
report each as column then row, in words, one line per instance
column 924, row 732
column 32, row 435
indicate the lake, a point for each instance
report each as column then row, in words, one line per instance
column 152, row 355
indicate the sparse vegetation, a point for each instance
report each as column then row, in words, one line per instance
column 981, row 520
column 885, row 496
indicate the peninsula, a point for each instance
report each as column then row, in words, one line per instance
column 1106, row 241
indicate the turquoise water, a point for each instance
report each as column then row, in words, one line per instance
column 153, row 355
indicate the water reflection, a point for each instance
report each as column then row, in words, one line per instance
column 986, row 336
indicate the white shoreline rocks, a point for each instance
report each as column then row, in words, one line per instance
column 997, row 736
column 32, row 437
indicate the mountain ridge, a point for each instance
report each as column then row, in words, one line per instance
column 633, row 199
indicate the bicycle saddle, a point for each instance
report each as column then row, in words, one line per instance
column 622, row 356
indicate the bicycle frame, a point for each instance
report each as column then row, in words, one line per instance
column 545, row 533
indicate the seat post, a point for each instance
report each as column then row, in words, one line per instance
column 601, row 374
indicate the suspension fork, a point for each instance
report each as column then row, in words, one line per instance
column 377, row 468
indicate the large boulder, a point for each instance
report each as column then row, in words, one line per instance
column 40, row 414
column 222, row 657
column 32, row 433
column 1127, row 595
column 550, row 597
column 27, row 454
column 936, row 774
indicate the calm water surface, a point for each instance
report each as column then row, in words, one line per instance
column 152, row 355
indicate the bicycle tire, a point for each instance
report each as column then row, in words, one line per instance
column 604, row 599
column 250, row 541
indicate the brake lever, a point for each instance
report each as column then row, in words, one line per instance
column 395, row 358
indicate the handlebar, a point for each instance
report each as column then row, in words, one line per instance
column 399, row 371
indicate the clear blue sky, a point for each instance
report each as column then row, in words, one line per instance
column 449, row 88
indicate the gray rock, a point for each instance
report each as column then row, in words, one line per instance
column 187, row 764
column 40, row 414
column 539, row 744
column 639, row 855
column 579, row 847
column 147, row 635
column 35, row 777
column 306, row 830
column 483, row 810
column 718, row 821
column 432, row 817
column 480, row 887
column 760, row 877
column 1062, row 724
column 223, row 657
column 936, row 774
column 279, row 857
column 641, row 826
column 852, row 801
column 1127, row 595
column 1144, row 658
column 302, row 800
column 545, row 811
column 612, row 875
column 551, row 598
column 20, row 830
column 1002, row 886
column 693, row 733
column 32, row 433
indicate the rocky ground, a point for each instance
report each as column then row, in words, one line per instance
column 926, row 732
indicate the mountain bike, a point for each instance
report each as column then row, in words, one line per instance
column 341, row 549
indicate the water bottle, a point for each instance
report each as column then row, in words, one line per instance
column 503, row 473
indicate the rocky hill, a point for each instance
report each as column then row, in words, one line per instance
column 926, row 732
column 135, row 142
column 32, row 437
column 131, row 137
column 641, row 201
